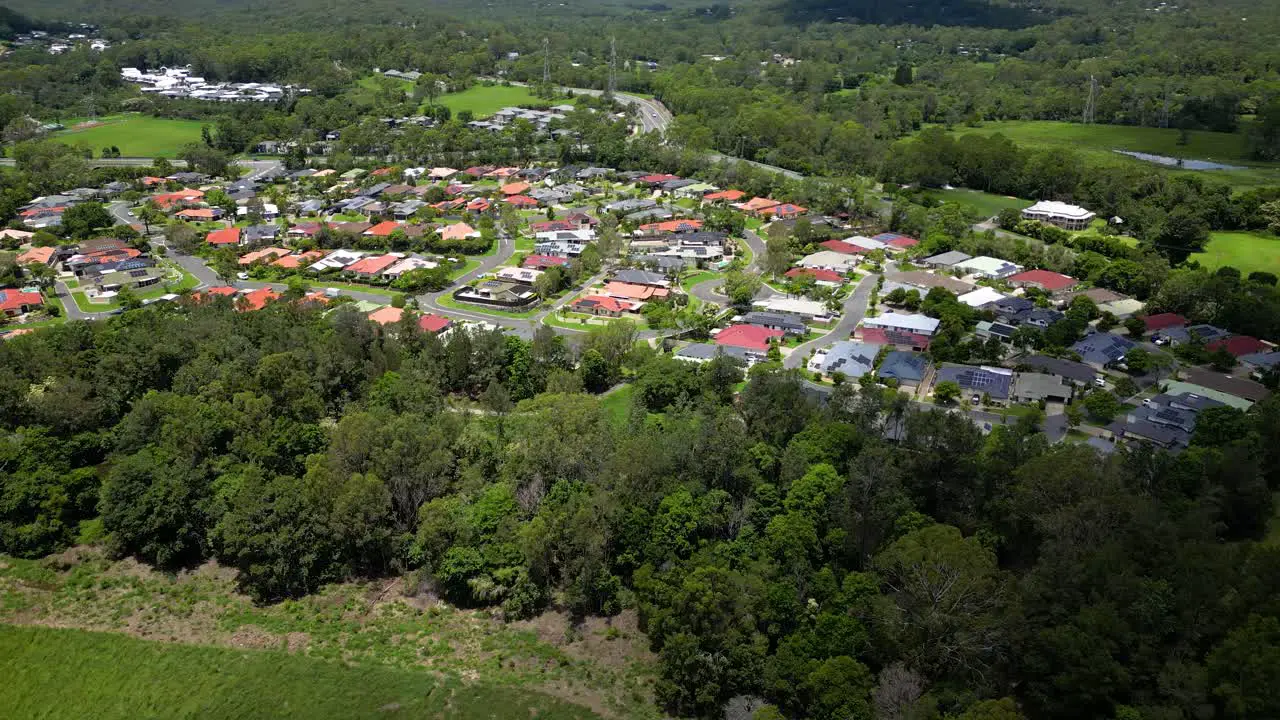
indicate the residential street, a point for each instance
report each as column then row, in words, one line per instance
column 855, row 307
column 70, row 307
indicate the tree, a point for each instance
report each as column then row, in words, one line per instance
column 741, row 287
column 1102, row 405
column 84, row 219
column 946, row 392
column 154, row 507
column 777, row 257
column 1135, row 327
column 1244, row 670
column 594, row 370
column 903, row 75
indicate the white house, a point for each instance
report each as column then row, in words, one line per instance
column 987, row 267
column 918, row 324
column 811, row 309
column 829, row 260
column 980, row 297
column 1064, row 215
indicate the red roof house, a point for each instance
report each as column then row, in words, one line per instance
column 515, row 188
column 36, row 256
column 725, row 196
column 784, row 210
column 16, row 302
column 756, row 205
column 1239, row 345
column 820, row 275
column 544, row 261
column 383, row 229
column 434, row 323
column 522, row 201
column 601, row 305
column 657, row 179
column 386, row 315
column 1164, row 321
column 198, row 214
column 749, row 337
column 843, row 247
column 1043, row 279
column 258, row 299
column 372, row 266
column 672, row 226
column 897, row 338
column 225, row 236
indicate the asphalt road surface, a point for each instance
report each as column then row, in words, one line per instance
column 855, row 307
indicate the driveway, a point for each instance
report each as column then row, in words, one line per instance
column 855, row 307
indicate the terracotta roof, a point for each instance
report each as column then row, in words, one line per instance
column 294, row 261
column 457, row 231
column 11, row 299
column 601, row 301
column 258, row 299
column 1163, row 321
column 841, row 246
column 264, row 254
column 516, row 188
column 221, row 291
column 729, row 195
column 757, row 204
column 817, row 273
column 383, row 229
column 36, row 255
column 196, row 213
column 752, row 337
column 784, row 210
column 672, row 226
column 1239, row 345
column 372, row 265
column 522, row 201
column 544, row 261
column 632, row 291
column 386, row 315
column 225, row 236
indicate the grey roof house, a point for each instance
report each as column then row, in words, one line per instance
column 907, row 368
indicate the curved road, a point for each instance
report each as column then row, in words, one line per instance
column 855, row 306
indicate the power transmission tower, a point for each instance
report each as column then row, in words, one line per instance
column 1164, row 109
column 546, row 61
column 1091, row 105
column 613, row 68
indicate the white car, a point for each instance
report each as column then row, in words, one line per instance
column 1100, row 381
column 243, row 275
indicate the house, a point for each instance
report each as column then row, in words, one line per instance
column 748, row 337
column 984, row 380
column 1099, row 296
column 981, row 296
column 700, row 353
column 386, row 315
column 265, row 256
column 987, row 267
column 408, row 264
column 631, row 291
column 292, row 262
column 829, row 260
column 434, row 323
column 852, row 359
column 1076, row 373
column 926, row 281
column 515, row 188
column 522, row 276
column 544, row 262
column 671, row 226
column 1065, row 216
column 19, row 302
column 37, row 256
column 372, row 266
column 521, row 201
column 1123, row 308
column 729, row 196
column 896, row 242
column 783, row 210
column 1195, row 333
column 336, row 260
column 260, row 233
column 899, row 340
column 755, row 206
column 132, row 278
column 824, row 278
column 1235, row 392
column 383, row 229
column 498, row 293
column 224, row 236
column 1102, row 350
column 946, row 259
column 914, row 323
column 1238, row 345
column 1260, row 363
column 257, row 299
column 811, row 309
column 1163, row 321
column 19, row 236
column 842, row 247
column 601, row 305
column 789, row 324
column 199, row 214
column 1000, row 331
column 458, row 231
column 1050, row 282
column 907, row 368
column 866, row 244
column 642, row 277
column 1032, row 387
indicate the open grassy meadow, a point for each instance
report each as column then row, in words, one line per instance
column 135, row 135
column 1243, row 251
column 485, row 100
column 984, row 204
column 1101, row 141
column 53, row 673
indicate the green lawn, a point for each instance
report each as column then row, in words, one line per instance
column 617, row 404
column 485, row 100
column 135, row 135
column 984, row 204
column 54, row 673
column 1100, row 142
column 1244, row 251
column 448, row 301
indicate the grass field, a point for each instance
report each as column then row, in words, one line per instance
column 1100, row 142
column 1243, row 251
column 485, row 100
column 985, row 204
column 52, row 673
column 617, row 404
column 135, row 135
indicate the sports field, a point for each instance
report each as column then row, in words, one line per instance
column 1243, row 251
column 1101, row 141
column 135, row 135
column 485, row 100
column 54, row 673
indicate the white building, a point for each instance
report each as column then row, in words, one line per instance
column 1064, row 215
column 811, row 309
column 987, row 267
column 829, row 260
column 919, row 324
column 980, row 297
